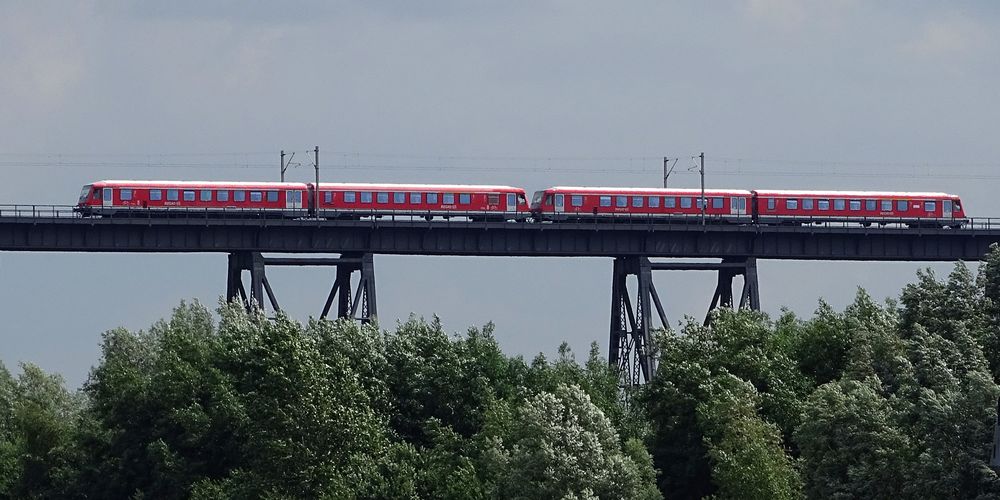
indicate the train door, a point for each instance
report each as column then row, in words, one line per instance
column 738, row 205
column 293, row 199
column 511, row 202
column 946, row 209
column 107, row 197
column 560, row 203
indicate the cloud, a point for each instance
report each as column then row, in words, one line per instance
column 946, row 36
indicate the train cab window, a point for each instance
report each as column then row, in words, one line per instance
column 328, row 197
column 770, row 204
column 350, row 197
column 718, row 203
column 465, row 198
column 238, row 196
column 493, row 199
column 605, row 201
column 839, row 204
column 823, row 204
column 222, row 195
column 448, row 198
column 97, row 193
column 792, row 204
column 958, row 206
column 366, row 197
column 256, row 196
column 855, row 205
column 155, row 195
column 930, row 206
column 272, row 196
column 637, row 201
column 870, row 205
column 417, row 198
column 669, row 202
column 901, row 205
column 807, row 204
column 206, row 195
column 887, row 205
column 654, row 202
column 188, row 195
column 576, row 200
column 685, row 202
column 621, row 201
column 432, row 198
column 382, row 197
column 126, row 194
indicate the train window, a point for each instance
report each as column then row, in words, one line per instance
column 958, row 206
column 901, row 205
column 654, row 202
column 188, row 195
column 464, row 198
column 382, row 197
column 637, row 201
column 887, row 205
column 493, row 199
column 416, row 198
column 856, row 205
column 669, row 202
column 698, row 202
column 432, row 198
column 770, row 204
column 172, row 195
column 718, row 203
column 155, row 195
column 448, row 198
column 605, row 201
column 272, row 196
column 823, row 204
column 807, row 204
column 97, row 193
column 222, row 195
column 366, row 197
column 930, row 206
column 206, row 195
column 685, row 202
column 548, row 200
column 256, row 196
column 350, row 196
column 870, row 205
column 576, row 200
column 399, row 198
column 126, row 194
column 328, row 197
column 839, row 204
column 238, row 195
column 792, row 204
column 621, row 201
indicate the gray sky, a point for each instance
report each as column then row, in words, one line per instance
column 779, row 94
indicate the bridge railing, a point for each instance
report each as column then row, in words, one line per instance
column 463, row 217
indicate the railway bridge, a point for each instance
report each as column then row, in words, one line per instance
column 632, row 243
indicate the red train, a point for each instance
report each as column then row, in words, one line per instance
column 505, row 203
column 295, row 199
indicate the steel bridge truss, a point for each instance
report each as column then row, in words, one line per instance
column 630, row 348
column 362, row 306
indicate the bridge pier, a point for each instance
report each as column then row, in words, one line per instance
column 361, row 307
column 630, row 348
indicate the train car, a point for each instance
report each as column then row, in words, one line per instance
column 354, row 200
column 863, row 207
column 165, row 198
column 603, row 203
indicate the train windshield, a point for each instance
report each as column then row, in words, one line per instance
column 537, row 199
column 85, row 193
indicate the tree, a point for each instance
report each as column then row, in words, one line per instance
column 562, row 446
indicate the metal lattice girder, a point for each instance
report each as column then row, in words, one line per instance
column 363, row 308
column 630, row 347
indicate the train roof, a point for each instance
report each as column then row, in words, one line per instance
column 195, row 184
column 857, row 194
column 417, row 187
column 666, row 191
